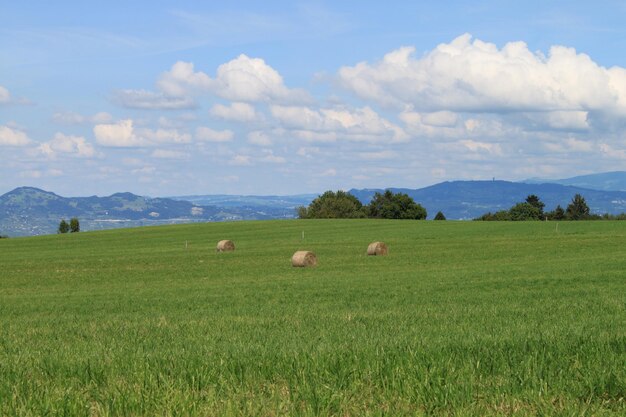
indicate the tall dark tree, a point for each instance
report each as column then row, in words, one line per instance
column 331, row 205
column 534, row 201
column 74, row 225
column 439, row 216
column 395, row 206
column 557, row 214
column 64, row 227
column 577, row 209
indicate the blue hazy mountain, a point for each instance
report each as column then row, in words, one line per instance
column 29, row 211
column 606, row 181
column 470, row 199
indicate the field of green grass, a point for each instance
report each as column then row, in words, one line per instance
column 461, row 319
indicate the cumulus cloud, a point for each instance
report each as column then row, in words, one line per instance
column 387, row 154
column 242, row 79
column 259, row 138
column 5, row 96
column 475, row 146
column 67, row 145
column 206, row 134
column 237, row 112
column 124, row 134
column 329, row 124
column 240, row 160
column 120, row 134
column 72, row 118
column 150, row 100
column 159, row 136
column 13, row 137
column 169, row 154
column 268, row 156
column 472, row 75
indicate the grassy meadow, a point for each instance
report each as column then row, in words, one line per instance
column 461, row 319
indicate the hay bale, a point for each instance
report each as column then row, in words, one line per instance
column 303, row 258
column 225, row 246
column 377, row 249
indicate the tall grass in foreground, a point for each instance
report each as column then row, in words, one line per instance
column 461, row 319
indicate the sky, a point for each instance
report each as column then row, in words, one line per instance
column 283, row 97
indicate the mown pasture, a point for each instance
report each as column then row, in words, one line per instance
column 460, row 319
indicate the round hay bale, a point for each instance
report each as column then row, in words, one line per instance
column 303, row 258
column 377, row 249
column 225, row 246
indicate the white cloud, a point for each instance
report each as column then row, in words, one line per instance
column 378, row 155
column 206, row 134
column 72, row 118
column 259, row 138
column 13, row 137
column 571, row 144
column 240, row 160
column 120, row 134
column 440, row 119
column 330, row 172
column 169, row 154
column 237, row 112
column 329, row 124
column 164, row 136
column 307, row 151
column 149, row 100
column 5, row 96
column 561, row 120
column 242, row 79
column 144, row 171
column 474, row 146
column 124, row 134
column 613, row 153
column 268, row 156
column 466, row 75
column 67, row 145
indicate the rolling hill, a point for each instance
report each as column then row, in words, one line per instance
column 605, row 181
column 28, row 211
column 470, row 199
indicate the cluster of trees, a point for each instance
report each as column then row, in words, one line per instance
column 532, row 209
column 73, row 226
column 340, row 204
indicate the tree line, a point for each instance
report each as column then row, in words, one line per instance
column 343, row 205
column 73, row 226
column 533, row 209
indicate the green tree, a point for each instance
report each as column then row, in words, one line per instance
column 557, row 214
column 74, row 225
column 502, row 215
column 64, row 227
column 395, row 206
column 534, row 201
column 331, row 205
column 577, row 209
column 525, row 211
column 439, row 216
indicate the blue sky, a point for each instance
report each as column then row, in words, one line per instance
column 172, row 98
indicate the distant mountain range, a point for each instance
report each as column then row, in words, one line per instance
column 606, row 181
column 469, row 199
column 29, row 211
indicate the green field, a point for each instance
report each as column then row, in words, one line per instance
column 461, row 319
